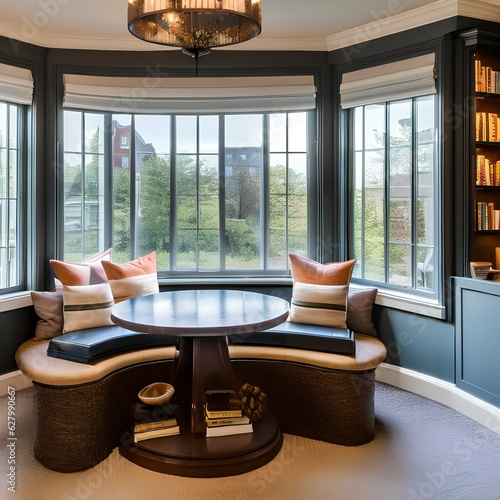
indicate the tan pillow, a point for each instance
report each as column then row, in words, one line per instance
column 320, row 291
column 87, row 306
column 87, row 272
column 49, row 308
column 137, row 277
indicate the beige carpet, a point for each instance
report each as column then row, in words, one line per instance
column 422, row 450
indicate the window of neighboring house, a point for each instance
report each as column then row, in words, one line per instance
column 213, row 194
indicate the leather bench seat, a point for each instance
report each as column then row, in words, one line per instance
column 301, row 336
column 84, row 346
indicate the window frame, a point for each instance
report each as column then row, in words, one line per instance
column 408, row 298
column 21, row 194
column 220, row 276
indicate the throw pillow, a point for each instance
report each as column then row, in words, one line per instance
column 320, row 291
column 87, row 306
column 359, row 310
column 49, row 308
column 87, row 272
column 137, row 277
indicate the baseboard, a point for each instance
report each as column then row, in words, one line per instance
column 441, row 392
column 13, row 379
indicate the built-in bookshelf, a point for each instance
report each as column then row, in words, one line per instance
column 482, row 148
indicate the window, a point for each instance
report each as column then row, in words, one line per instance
column 394, row 212
column 394, row 208
column 16, row 94
column 222, row 194
column 11, row 182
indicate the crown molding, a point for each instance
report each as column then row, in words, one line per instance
column 487, row 10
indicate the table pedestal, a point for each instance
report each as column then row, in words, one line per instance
column 204, row 364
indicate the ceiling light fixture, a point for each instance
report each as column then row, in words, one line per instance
column 196, row 26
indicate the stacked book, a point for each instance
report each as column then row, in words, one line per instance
column 155, row 421
column 224, row 414
column 487, row 171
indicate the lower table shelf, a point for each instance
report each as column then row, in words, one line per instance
column 193, row 456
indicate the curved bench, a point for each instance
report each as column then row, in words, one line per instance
column 82, row 409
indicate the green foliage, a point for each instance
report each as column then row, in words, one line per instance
column 240, row 240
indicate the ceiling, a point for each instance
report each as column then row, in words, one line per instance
column 286, row 24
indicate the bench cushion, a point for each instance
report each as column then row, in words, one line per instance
column 84, row 346
column 302, row 336
column 370, row 352
column 32, row 360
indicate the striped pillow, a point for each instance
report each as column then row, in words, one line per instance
column 320, row 291
column 134, row 278
column 87, row 306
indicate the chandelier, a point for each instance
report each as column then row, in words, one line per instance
column 195, row 26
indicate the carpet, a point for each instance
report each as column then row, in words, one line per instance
column 422, row 450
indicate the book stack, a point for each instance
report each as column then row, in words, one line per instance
column 155, row 421
column 224, row 414
column 487, row 171
column 487, row 127
column 488, row 219
column 487, row 79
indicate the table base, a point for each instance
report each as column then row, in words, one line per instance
column 189, row 456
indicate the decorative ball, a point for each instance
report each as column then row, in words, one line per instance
column 254, row 401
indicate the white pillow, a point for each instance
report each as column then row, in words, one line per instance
column 87, row 306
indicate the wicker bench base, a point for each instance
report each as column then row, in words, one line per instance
column 79, row 426
column 327, row 405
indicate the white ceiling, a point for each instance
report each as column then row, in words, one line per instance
column 286, row 24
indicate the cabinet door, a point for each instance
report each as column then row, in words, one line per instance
column 478, row 338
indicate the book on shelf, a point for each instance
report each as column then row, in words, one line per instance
column 484, row 271
column 156, row 433
column 152, row 421
column 492, row 127
column 223, row 404
column 218, row 422
column 486, row 78
column 487, row 171
column 229, row 430
column 150, row 417
column 487, row 127
column 488, row 218
column 224, row 414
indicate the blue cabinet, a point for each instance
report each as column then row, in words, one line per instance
column 477, row 335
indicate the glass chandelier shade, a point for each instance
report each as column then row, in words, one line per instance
column 196, row 26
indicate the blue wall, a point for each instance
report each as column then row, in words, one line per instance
column 418, row 343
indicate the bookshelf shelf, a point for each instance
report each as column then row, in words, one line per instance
column 487, row 231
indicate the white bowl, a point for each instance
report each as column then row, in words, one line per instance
column 156, row 393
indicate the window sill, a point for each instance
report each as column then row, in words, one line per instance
column 410, row 303
column 16, row 300
column 271, row 281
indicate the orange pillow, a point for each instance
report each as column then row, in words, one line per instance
column 320, row 291
column 137, row 277
column 87, row 272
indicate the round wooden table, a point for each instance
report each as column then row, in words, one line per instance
column 203, row 319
